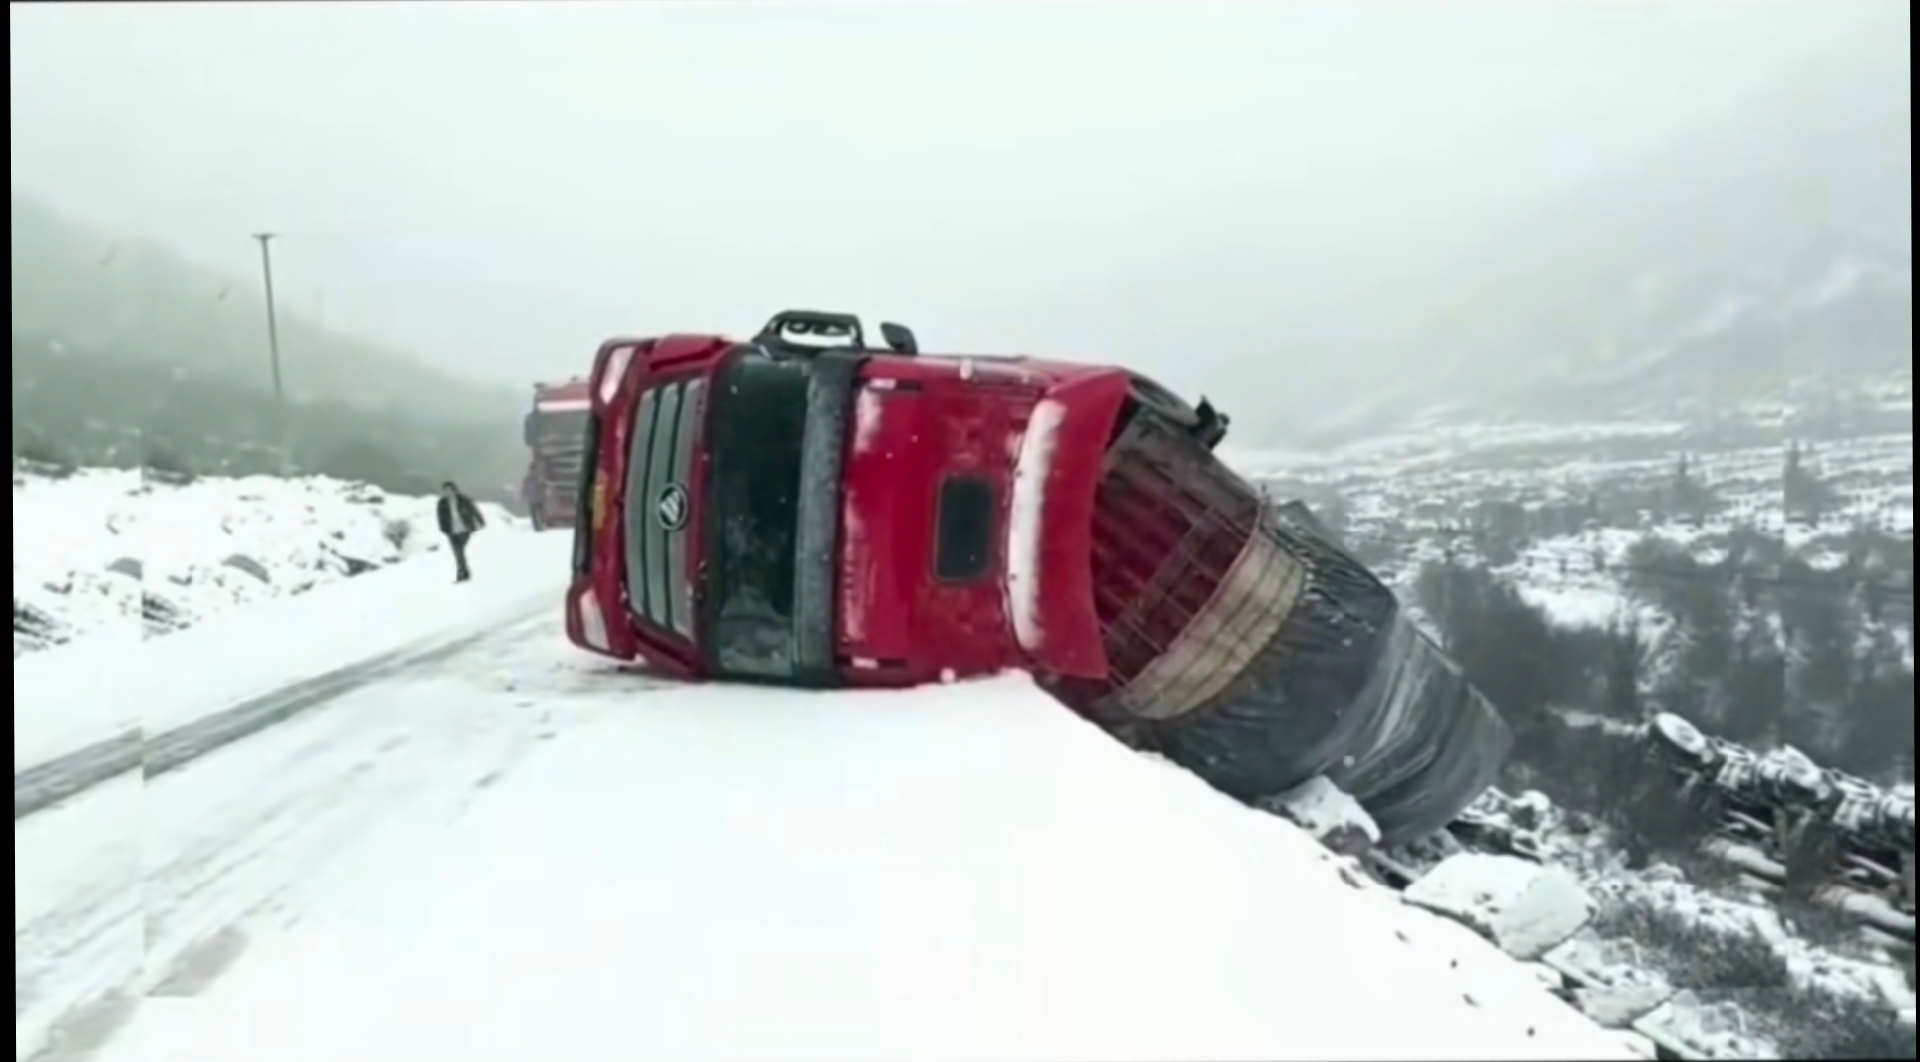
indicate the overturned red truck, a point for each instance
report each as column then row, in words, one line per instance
column 555, row 432
column 804, row 509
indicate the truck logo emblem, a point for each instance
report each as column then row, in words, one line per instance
column 672, row 508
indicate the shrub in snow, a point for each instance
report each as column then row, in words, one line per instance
column 34, row 629
column 127, row 566
column 397, row 532
column 161, row 616
column 1840, row 1026
column 1523, row 907
column 1696, row 951
column 55, row 468
column 165, row 465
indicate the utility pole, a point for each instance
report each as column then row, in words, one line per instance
column 273, row 345
column 273, row 324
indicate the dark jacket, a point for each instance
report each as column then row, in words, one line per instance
column 469, row 512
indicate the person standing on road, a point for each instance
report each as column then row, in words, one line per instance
column 459, row 519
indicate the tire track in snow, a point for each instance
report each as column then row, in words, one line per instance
column 45, row 785
column 237, row 841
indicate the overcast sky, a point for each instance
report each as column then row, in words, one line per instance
column 501, row 185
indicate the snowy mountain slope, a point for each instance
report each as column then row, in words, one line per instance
column 1406, row 499
column 102, row 549
column 1761, row 257
column 959, row 872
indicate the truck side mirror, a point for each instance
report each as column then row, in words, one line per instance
column 899, row 338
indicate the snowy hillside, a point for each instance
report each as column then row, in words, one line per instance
column 107, row 549
column 1589, row 575
column 1579, row 497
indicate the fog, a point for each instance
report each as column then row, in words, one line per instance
column 1204, row 190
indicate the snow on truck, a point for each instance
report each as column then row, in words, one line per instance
column 804, row 509
column 555, row 434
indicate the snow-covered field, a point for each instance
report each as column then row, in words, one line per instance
column 94, row 551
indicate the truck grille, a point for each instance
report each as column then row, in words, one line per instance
column 656, row 509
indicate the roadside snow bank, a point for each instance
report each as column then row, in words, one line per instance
column 119, row 683
column 106, row 550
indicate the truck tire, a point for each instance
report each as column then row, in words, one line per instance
column 1300, row 708
column 1350, row 689
column 537, row 516
column 1149, row 394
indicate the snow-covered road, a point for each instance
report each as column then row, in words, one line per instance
column 515, row 852
column 137, row 885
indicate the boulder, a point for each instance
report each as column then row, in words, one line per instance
column 244, row 563
column 1329, row 814
column 1524, row 908
column 1621, row 1006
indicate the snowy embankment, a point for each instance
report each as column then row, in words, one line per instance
column 961, row 872
column 118, row 680
column 1707, row 963
column 112, row 551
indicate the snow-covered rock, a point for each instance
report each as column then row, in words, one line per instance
column 1523, row 907
column 1329, row 814
column 1620, row 1007
column 1706, row 1029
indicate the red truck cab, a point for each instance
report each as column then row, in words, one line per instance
column 839, row 516
column 804, row 509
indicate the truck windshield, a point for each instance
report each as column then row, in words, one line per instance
column 756, row 436
column 561, row 427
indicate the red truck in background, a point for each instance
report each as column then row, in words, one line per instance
column 555, row 432
column 803, row 509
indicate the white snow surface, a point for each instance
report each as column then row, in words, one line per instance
column 720, row 872
column 1032, row 467
column 116, row 681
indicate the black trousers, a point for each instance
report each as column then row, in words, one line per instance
column 458, row 542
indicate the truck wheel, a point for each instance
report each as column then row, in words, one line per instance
column 538, row 517
column 1302, row 705
column 1150, row 395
